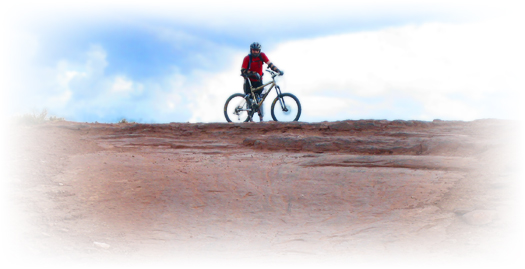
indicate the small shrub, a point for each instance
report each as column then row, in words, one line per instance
column 55, row 118
column 125, row 121
column 36, row 117
column 33, row 117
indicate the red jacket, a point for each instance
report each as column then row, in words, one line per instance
column 256, row 64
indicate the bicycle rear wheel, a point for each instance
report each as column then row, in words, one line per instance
column 237, row 109
column 286, row 107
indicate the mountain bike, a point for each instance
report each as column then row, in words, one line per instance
column 241, row 107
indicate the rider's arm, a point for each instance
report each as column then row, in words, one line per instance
column 274, row 68
column 269, row 63
column 247, row 72
column 244, row 66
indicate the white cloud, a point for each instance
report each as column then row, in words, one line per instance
column 207, row 98
column 430, row 63
column 435, row 70
column 121, row 84
column 329, row 107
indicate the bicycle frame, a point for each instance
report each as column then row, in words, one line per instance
column 273, row 83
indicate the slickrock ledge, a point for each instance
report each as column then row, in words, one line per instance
column 355, row 190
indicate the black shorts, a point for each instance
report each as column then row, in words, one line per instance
column 255, row 84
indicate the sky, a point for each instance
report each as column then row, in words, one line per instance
column 162, row 61
column 173, row 61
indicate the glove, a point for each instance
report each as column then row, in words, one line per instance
column 281, row 72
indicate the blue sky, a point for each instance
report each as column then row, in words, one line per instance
column 159, row 61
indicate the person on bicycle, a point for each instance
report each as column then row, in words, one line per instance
column 252, row 69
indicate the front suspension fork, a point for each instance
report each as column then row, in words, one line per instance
column 281, row 100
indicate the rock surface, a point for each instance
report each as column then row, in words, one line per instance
column 479, row 217
column 351, row 191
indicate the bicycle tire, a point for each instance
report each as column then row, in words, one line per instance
column 292, row 104
column 237, row 101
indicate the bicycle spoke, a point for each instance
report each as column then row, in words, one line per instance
column 236, row 109
column 288, row 109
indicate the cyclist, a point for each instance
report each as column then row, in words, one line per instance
column 252, row 68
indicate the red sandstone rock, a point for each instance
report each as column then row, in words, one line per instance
column 351, row 189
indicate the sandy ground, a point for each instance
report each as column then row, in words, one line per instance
column 349, row 193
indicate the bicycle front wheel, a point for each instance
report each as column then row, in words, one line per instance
column 286, row 107
column 237, row 109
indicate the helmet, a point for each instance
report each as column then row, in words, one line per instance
column 255, row 46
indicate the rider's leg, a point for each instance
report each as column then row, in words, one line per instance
column 261, row 112
column 246, row 87
column 256, row 84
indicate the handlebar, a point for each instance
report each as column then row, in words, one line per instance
column 273, row 73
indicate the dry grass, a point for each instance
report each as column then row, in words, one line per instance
column 36, row 117
column 125, row 121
